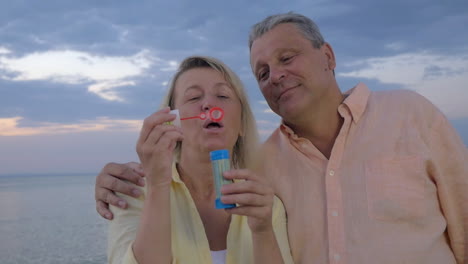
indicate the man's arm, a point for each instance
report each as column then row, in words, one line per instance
column 116, row 177
column 449, row 167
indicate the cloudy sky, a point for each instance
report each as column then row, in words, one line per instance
column 77, row 77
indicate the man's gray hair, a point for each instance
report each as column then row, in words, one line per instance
column 305, row 25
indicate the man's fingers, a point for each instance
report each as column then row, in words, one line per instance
column 107, row 196
column 117, row 185
column 136, row 168
column 126, row 172
column 103, row 209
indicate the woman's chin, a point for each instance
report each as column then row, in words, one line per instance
column 211, row 146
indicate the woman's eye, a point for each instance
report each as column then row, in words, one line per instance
column 223, row 96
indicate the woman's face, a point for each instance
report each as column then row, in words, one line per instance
column 198, row 90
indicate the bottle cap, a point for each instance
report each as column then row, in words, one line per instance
column 219, row 154
column 176, row 121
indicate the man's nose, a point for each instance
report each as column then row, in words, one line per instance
column 277, row 75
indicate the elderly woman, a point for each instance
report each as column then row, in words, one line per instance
column 175, row 220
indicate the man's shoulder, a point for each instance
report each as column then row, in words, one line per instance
column 403, row 106
column 398, row 96
column 402, row 100
column 273, row 139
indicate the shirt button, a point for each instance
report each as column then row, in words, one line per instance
column 331, row 173
column 337, row 257
column 334, row 213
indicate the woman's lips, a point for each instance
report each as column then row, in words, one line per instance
column 213, row 127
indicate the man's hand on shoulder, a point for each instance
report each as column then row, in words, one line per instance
column 117, row 177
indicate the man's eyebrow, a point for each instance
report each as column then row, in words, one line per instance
column 277, row 52
column 256, row 66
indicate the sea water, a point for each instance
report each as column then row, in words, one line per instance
column 50, row 219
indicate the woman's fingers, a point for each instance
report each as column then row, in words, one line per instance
column 163, row 137
column 253, row 196
column 158, row 118
column 251, row 183
column 257, row 212
column 246, row 199
column 159, row 131
column 169, row 140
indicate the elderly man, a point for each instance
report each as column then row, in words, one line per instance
column 365, row 177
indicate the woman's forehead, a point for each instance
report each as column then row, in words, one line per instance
column 201, row 78
column 199, row 75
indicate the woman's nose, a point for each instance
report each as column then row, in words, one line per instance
column 206, row 106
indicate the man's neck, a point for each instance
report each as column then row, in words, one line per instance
column 320, row 126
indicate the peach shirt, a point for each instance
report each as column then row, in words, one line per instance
column 395, row 189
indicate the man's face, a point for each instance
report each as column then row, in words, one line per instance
column 292, row 75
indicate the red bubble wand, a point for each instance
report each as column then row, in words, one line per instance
column 216, row 114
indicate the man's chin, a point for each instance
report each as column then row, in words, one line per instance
column 289, row 114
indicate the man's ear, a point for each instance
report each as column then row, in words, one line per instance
column 331, row 62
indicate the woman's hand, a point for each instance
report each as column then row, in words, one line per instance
column 155, row 147
column 254, row 197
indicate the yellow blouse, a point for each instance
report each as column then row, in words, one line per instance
column 189, row 241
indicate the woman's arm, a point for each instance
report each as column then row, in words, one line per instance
column 155, row 148
column 153, row 240
column 255, row 198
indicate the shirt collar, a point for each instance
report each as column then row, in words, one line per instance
column 175, row 173
column 356, row 101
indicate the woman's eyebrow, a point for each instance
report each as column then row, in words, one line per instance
column 223, row 86
column 190, row 88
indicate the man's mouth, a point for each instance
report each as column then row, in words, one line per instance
column 285, row 91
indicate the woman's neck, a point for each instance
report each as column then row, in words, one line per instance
column 196, row 172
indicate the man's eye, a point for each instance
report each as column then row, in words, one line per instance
column 263, row 75
column 286, row 59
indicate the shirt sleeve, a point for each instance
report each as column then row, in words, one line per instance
column 281, row 231
column 122, row 231
column 449, row 167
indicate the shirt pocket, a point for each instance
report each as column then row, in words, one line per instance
column 396, row 188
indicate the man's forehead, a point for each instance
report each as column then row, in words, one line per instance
column 279, row 34
column 265, row 49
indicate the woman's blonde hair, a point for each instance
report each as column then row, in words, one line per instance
column 246, row 144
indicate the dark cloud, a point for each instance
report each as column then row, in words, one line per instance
column 419, row 25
